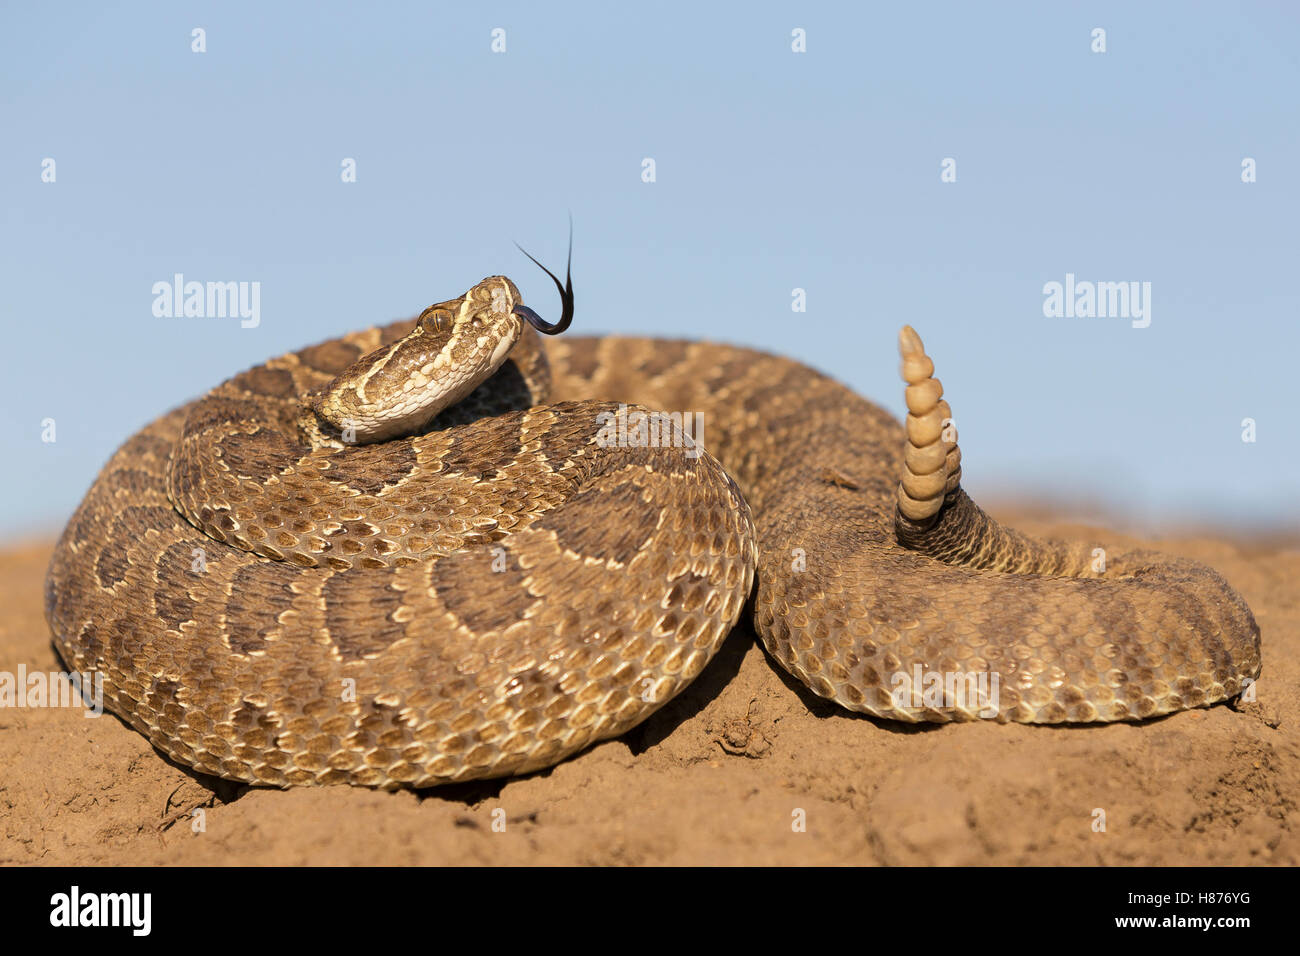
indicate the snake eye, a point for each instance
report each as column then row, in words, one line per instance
column 434, row 319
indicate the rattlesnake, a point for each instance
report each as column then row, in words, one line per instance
column 301, row 579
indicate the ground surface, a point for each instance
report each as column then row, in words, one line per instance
column 717, row 777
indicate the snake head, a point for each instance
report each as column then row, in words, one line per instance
column 454, row 347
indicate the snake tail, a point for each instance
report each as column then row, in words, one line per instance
column 1127, row 612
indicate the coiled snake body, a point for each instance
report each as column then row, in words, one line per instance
column 318, row 574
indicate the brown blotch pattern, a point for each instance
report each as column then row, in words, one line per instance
column 330, row 357
column 498, row 599
column 347, row 600
column 271, row 382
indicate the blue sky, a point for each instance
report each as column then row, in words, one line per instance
column 774, row 170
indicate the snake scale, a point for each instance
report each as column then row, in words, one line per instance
column 411, row 555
